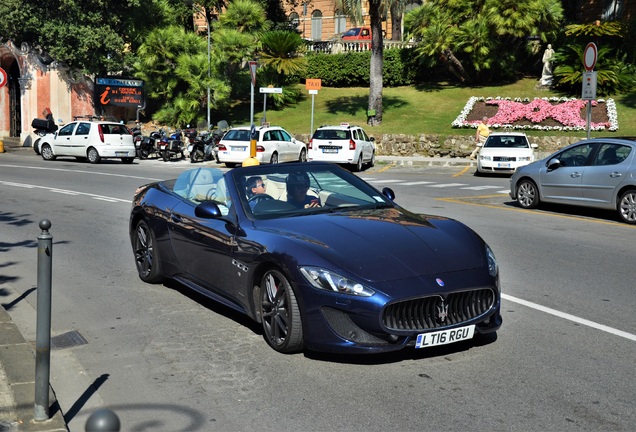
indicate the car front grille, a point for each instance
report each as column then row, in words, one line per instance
column 437, row 312
column 504, row 159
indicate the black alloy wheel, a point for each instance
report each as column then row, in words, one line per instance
column 146, row 256
column 282, row 325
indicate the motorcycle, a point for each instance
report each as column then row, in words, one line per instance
column 203, row 147
column 42, row 127
column 170, row 146
column 148, row 145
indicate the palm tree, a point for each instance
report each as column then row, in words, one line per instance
column 376, row 8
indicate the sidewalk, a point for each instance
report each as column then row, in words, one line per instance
column 398, row 161
column 17, row 384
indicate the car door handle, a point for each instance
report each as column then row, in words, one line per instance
column 575, row 175
column 615, row 175
column 175, row 218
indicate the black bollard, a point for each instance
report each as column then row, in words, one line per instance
column 43, row 326
column 103, row 420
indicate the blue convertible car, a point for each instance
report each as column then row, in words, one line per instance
column 322, row 259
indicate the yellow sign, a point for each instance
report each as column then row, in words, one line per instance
column 312, row 84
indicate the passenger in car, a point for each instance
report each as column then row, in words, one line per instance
column 297, row 187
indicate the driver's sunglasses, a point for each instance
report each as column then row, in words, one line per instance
column 260, row 185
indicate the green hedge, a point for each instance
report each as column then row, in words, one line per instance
column 351, row 69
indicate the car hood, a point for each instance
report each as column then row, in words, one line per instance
column 381, row 244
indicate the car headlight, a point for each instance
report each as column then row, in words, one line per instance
column 329, row 281
column 485, row 158
column 524, row 158
column 493, row 267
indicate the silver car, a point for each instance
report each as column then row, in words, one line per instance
column 599, row 173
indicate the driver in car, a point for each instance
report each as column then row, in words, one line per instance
column 297, row 187
column 255, row 186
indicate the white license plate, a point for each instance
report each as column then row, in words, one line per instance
column 444, row 337
column 121, row 153
column 238, row 149
column 330, row 150
column 503, row 165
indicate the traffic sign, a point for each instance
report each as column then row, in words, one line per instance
column 3, row 78
column 589, row 86
column 589, row 56
column 313, row 84
column 271, row 90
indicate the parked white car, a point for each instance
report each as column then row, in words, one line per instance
column 344, row 144
column 92, row 140
column 273, row 145
column 504, row 152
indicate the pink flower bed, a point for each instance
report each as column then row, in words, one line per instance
column 567, row 112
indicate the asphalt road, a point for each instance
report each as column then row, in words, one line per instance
column 167, row 360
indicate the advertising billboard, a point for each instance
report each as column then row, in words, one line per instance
column 117, row 91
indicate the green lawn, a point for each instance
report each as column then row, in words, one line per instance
column 413, row 110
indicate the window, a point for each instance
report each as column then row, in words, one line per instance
column 294, row 20
column 83, row 129
column 67, row 130
column 611, row 154
column 576, row 156
column 340, row 22
column 316, row 25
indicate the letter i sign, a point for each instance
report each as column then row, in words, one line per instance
column 3, row 78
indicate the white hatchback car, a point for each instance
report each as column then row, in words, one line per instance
column 92, row 140
column 273, row 145
column 504, row 152
column 342, row 144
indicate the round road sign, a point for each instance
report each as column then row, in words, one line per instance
column 589, row 56
column 3, row 78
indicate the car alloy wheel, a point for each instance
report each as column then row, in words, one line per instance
column 303, row 156
column 274, row 159
column 47, row 152
column 627, row 206
column 93, row 156
column 146, row 258
column 282, row 326
column 527, row 194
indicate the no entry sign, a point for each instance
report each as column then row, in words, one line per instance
column 3, row 78
column 589, row 56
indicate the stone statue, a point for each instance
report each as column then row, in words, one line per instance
column 546, row 73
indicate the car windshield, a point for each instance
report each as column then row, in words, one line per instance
column 352, row 32
column 498, row 141
column 332, row 134
column 278, row 191
column 237, row 135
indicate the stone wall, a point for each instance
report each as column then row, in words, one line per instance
column 429, row 145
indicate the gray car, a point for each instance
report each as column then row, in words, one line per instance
column 599, row 173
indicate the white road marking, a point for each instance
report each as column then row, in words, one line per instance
column 478, row 188
column 416, row 183
column 80, row 171
column 569, row 317
column 66, row 192
column 445, row 185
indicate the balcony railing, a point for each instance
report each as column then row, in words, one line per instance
column 336, row 47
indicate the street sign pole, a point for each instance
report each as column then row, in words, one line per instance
column 589, row 81
column 312, row 85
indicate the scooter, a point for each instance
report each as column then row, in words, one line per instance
column 42, row 127
column 203, row 147
column 170, row 146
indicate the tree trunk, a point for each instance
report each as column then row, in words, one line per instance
column 455, row 66
column 374, row 115
column 396, row 21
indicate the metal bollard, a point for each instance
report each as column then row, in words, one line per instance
column 103, row 420
column 43, row 326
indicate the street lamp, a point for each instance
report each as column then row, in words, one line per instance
column 201, row 11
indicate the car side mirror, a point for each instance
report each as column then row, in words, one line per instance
column 534, row 146
column 553, row 164
column 388, row 192
column 371, row 139
column 208, row 210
